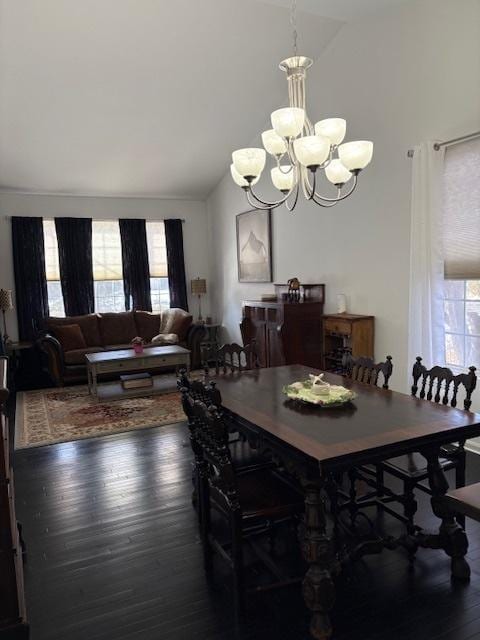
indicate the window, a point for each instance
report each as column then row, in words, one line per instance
column 54, row 288
column 107, row 266
column 157, row 259
column 462, row 255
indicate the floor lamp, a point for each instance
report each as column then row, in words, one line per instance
column 6, row 304
column 199, row 288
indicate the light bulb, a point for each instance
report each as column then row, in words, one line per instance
column 240, row 180
column 311, row 151
column 273, row 143
column 249, row 162
column 337, row 173
column 288, row 122
column 283, row 179
column 356, row 155
column 332, row 128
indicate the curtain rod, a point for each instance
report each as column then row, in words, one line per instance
column 448, row 143
column 100, row 219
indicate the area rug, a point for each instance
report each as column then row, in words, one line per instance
column 49, row 416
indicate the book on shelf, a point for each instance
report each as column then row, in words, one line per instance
column 136, row 380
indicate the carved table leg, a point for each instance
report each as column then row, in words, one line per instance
column 318, row 587
column 451, row 537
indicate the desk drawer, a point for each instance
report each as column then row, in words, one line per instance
column 340, row 327
column 136, row 363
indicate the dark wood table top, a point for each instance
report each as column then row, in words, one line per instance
column 377, row 424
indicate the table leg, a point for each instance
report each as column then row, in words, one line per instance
column 94, row 381
column 451, row 537
column 89, row 378
column 318, row 587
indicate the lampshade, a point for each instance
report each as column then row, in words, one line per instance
column 282, row 178
column 249, row 162
column 337, row 173
column 199, row 286
column 6, row 301
column 311, row 150
column 240, row 180
column 356, row 155
column 273, row 143
column 288, row 122
column 332, row 128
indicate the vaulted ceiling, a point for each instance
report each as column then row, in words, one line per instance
column 144, row 97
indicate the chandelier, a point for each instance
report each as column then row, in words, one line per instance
column 301, row 150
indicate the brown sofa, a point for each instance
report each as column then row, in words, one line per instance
column 64, row 342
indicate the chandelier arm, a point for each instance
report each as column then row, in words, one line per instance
column 292, row 207
column 255, row 204
column 339, row 197
column 325, row 205
column 271, row 205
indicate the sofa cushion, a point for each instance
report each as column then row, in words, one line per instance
column 165, row 338
column 117, row 328
column 147, row 323
column 88, row 324
column 70, row 336
column 77, row 356
column 176, row 321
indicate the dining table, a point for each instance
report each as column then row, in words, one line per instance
column 316, row 443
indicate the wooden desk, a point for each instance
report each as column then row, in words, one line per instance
column 313, row 443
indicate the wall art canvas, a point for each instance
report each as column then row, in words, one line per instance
column 254, row 250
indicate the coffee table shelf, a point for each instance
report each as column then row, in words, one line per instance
column 114, row 390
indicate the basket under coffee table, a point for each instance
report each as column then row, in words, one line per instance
column 127, row 361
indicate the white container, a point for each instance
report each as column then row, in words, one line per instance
column 341, row 303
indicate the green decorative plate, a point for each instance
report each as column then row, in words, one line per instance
column 302, row 391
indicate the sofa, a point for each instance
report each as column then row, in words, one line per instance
column 64, row 342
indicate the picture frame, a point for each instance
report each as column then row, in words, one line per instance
column 254, row 246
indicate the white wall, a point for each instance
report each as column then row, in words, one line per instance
column 194, row 229
column 408, row 75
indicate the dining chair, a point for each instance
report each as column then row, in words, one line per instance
column 233, row 358
column 251, row 503
column 366, row 370
column 438, row 384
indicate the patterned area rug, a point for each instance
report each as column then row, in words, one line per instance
column 64, row 414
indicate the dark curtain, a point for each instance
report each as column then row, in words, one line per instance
column 30, row 279
column 136, row 271
column 74, row 236
column 176, row 264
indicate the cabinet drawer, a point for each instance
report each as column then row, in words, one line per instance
column 340, row 327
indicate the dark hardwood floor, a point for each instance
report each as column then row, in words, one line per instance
column 114, row 553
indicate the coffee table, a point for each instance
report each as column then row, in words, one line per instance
column 126, row 360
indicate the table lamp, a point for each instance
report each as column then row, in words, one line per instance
column 199, row 288
column 6, row 304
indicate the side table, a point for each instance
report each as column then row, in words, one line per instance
column 209, row 345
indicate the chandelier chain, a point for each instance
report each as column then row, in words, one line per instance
column 293, row 22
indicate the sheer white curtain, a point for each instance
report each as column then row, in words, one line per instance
column 426, row 318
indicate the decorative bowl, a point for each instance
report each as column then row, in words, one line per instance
column 303, row 392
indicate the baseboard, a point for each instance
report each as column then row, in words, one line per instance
column 473, row 447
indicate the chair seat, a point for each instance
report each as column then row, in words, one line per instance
column 464, row 501
column 414, row 466
column 265, row 494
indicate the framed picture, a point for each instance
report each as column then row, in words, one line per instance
column 254, row 246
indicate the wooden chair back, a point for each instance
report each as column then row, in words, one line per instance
column 366, row 370
column 232, row 358
column 440, row 384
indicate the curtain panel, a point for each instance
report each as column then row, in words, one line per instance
column 74, row 236
column 136, row 270
column 426, row 314
column 176, row 264
column 30, row 279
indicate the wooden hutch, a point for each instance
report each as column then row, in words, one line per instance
column 12, row 599
column 287, row 329
column 346, row 332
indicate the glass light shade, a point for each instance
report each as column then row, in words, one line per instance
column 249, row 162
column 337, row 173
column 273, row 143
column 283, row 181
column 240, row 180
column 311, row 150
column 356, row 155
column 288, row 122
column 332, row 128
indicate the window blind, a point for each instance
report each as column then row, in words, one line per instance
column 157, row 251
column 52, row 267
column 106, row 250
column 461, row 221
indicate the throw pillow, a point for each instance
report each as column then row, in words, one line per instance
column 70, row 336
column 176, row 321
column 165, row 338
